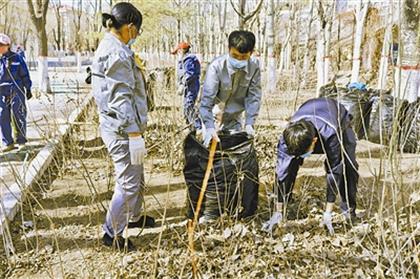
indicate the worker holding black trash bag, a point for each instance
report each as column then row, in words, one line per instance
column 319, row 126
column 232, row 87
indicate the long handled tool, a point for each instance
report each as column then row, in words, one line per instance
column 192, row 223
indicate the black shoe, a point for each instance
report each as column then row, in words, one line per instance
column 144, row 222
column 118, row 243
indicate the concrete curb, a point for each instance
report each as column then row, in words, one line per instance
column 35, row 170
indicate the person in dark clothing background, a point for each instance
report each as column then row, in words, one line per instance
column 15, row 88
column 320, row 126
column 189, row 70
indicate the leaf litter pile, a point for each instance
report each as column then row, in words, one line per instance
column 384, row 244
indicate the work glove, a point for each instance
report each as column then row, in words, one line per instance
column 327, row 221
column 274, row 220
column 345, row 211
column 181, row 90
column 210, row 134
column 137, row 149
column 249, row 130
column 28, row 94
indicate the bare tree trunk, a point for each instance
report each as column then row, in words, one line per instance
column 385, row 53
column 308, row 37
column 57, row 33
column 77, row 16
column 39, row 19
column 327, row 37
column 240, row 11
column 409, row 65
column 271, row 65
column 222, row 26
column 361, row 13
column 241, row 22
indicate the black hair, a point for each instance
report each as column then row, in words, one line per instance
column 243, row 41
column 122, row 13
column 298, row 137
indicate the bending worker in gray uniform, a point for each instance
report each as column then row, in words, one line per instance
column 233, row 83
column 319, row 126
column 119, row 90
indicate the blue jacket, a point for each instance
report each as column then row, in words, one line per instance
column 332, row 123
column 189, row 71
column 13, row 64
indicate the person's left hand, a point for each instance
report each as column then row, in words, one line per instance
column 273, row 221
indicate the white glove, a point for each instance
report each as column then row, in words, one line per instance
column 345, row 210
column 181, row 89
column 327, row 221
column 137, row 149
column 249, row 130
column 210, row 133
column 274, row 220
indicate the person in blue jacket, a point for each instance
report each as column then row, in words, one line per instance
column 189, row 70
column 320, row 126
column 15, row 88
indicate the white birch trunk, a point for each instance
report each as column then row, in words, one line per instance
column 360, row 20
column 271, row 65
column 320, row 53
column 44, row 80
column 306, row 55
column 410, row 71
column 79, row 61
column 385, row 53
column 327, row 57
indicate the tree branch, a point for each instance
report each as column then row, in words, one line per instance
column 235, row 9
column 255, row 11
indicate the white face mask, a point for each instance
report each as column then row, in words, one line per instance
column 132, row 40
column 237, row 64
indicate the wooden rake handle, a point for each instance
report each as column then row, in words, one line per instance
column 192, row 223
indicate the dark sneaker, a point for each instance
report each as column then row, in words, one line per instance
column 118, row 243
column 144, row 222
column 8, row 148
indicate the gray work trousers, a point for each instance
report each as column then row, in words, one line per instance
column 126, row 202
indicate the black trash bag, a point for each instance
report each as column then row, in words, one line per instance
column 233, row 183
column 393, row 110
column 410, row 139
column 356, row 102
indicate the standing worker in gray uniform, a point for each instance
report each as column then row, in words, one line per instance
column 233, row 83
column 120, row 93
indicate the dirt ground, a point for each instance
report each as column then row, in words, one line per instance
column 58, row 232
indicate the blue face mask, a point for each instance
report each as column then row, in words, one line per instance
column 306, row 155
column 237, row 64
column 131, row 42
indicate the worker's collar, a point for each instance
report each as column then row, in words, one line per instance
column 113, row 38
column 232, row 70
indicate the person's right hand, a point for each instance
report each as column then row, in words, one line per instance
column 137, row 149
column 209, row 135
column 327, row 221
column 274, row 220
